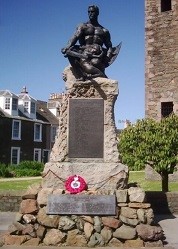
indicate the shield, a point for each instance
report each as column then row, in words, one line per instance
column 115, row 53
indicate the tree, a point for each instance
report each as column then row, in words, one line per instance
column 153, row 143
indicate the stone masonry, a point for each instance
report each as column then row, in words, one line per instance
column 106, row 172
column 132, row 226
column 161, row 63
column 161, row 57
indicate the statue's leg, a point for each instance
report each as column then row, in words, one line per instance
column 77, row 70
column 91, row 71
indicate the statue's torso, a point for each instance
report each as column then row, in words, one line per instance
column 92, row 34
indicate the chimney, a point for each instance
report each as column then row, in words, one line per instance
column 24, row 90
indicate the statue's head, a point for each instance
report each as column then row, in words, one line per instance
column 93, row 11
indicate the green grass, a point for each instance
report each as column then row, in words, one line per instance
column 17, row 184
column 139, row 177
column 134, row 176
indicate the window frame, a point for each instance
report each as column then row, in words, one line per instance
column 166, row 6
column 26, row 106
column 48, row 151
column 53, row 136
column 18, row 155
column 39, row 139
column 14, row 105
column 19, row 130
column 38, row 150
column 33, row 107
column 7, row 103
column 164, row 108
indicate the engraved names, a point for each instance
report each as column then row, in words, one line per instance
column 86, row 128
column 82, row 204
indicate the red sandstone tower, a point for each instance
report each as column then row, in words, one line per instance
column 161, row 58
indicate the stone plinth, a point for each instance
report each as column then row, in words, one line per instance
column 132, row 225
column 96, row 174
column 98, row 133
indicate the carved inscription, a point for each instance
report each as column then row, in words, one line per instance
column 82, row 204
column 86, row 128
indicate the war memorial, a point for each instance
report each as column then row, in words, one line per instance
column 84, row 199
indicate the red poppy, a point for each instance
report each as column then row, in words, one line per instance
column 75, row 184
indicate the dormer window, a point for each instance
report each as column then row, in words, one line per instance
column 7, row 103
column 33, row 107
column 14, row 104
column 26, row 106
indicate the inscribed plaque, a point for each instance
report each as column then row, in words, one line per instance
column 82, row 204
column 86, row 128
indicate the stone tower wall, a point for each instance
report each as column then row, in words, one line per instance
column 161, row 57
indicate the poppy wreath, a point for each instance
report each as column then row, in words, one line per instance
column 75, row 184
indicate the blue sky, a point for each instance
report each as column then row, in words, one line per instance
column 32, row 33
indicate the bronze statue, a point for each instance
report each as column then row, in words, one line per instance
column 89, row 59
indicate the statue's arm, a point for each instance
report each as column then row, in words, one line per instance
column 98, row 55
column 108, row 43
column 73, row 40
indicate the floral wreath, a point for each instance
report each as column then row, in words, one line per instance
column 75, row 184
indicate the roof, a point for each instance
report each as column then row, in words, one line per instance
column 43, row 113
column 7, row 93
column 20, row 115
column 3, row 114
column 26, row 96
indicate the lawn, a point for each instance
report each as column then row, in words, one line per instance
column 139, row 177
column 17, row 184
column 134, row 176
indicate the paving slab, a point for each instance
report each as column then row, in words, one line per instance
column 169, row 224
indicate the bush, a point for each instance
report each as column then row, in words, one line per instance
column 31, row 165
column 27, row 168
column 4, row 171
column 26, row 172
column 149, row 142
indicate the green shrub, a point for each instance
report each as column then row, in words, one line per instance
column 4, row 171
column 31, row 165
column 26, row 172
column 27, row 168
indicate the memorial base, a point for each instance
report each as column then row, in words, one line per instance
column 108, row 213
column 131, row 225
column 98, row 175
column 86, row 143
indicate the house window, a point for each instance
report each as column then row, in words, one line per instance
column 16, row 129
column 53, row 133
column 45, row 156
column 37, row 155
column 7, row 103
column 14, row 104
column 15, row 155
column 37, row 132
column 33, row 107
column 166, row 109
column 165, row 5
column 26, row 106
